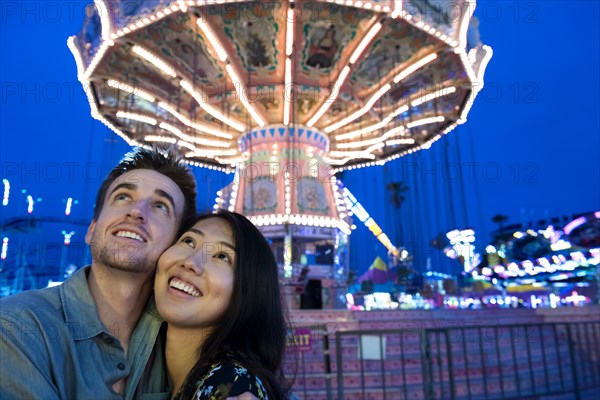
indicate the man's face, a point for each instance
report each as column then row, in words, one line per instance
column 140, row 218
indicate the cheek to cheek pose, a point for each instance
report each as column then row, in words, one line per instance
column 218, row 289
column 95, row 335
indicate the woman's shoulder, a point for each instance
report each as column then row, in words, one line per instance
column 228, row 378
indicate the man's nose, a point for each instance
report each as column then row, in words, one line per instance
column 138, row 212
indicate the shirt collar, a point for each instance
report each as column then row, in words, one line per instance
column 80, row 310
column 79, row 307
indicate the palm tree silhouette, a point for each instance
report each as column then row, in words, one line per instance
column 397, row 190
column 499, row 219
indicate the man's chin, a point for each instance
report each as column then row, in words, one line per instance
column 132, row 266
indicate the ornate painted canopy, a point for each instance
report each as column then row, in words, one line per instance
column 377, row 79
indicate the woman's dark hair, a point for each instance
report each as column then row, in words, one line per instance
column 166, row 161
column 253, row 329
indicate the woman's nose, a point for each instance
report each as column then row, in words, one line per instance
column 193, row 265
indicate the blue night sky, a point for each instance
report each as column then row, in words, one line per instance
column 529, row 150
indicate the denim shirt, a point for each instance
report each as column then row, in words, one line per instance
column 54, row 346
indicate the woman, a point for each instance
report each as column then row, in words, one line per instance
column 218, row 289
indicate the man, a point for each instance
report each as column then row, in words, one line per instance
column 93, row 337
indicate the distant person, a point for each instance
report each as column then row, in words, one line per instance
column 589, row 236
column 218, row 289
column 95, row 336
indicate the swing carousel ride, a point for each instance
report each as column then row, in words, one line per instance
column 284, row 94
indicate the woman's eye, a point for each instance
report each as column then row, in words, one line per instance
column 224, row 257
column 189, row 241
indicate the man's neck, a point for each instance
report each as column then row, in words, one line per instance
column 120, row 299
column 182, row 352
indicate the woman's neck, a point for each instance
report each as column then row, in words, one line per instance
column 182, row 352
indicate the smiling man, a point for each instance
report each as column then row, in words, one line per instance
column 95, row 336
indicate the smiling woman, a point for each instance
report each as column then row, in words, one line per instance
column 218, row 289
column 195, row 276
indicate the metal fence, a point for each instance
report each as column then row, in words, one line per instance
column 474, row 362
column 378, row 364
column 511, row 361
column 309, row 361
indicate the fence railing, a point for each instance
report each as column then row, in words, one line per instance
column 471, row 362
column 511, row 361
column 309, row 362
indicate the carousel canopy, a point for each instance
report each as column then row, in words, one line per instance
column 378, row 79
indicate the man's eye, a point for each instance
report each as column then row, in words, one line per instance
column 162, row 206
column 121, row 196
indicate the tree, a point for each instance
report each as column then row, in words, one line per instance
column 397, row 190
column 499, row 219
column 403, row 274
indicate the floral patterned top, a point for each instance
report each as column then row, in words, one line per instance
column 228, row 379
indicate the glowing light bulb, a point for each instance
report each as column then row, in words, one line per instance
column 30, row 203
column 68, row 207
column 6, row 192
column 4, row 248
column 67, row 236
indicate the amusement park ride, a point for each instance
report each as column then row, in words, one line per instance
column 284, row 94
column 33, row 253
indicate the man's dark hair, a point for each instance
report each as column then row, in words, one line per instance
column 166, row 161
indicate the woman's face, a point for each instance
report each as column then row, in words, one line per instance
column 194, row 277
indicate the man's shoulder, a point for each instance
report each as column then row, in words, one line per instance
column 45, row 304
column 42, row 303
